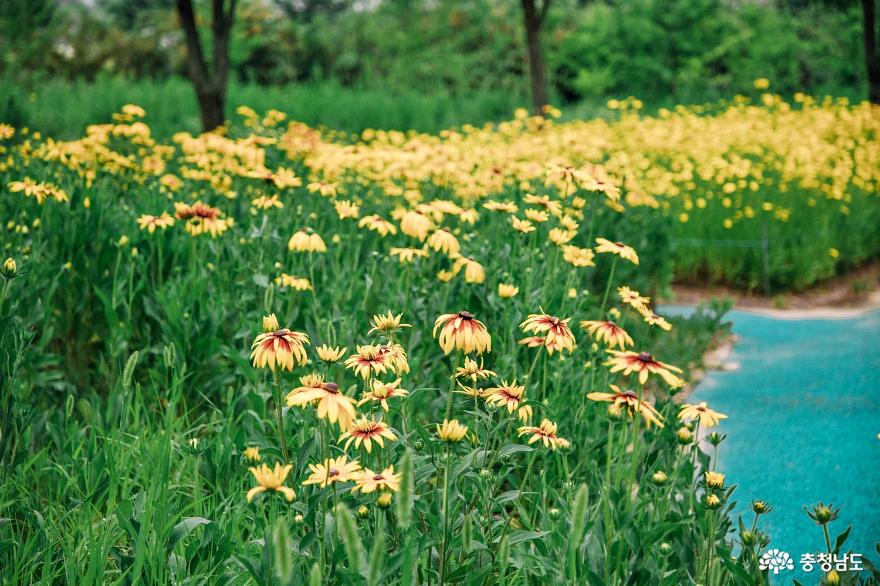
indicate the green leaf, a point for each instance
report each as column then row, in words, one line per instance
column 841, row 539
column 184, row 528
column 405, row 497
column 282, row 548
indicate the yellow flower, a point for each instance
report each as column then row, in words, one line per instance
column 762, row 83
column 577, row 256
column 330, row 354
column 653, row 319
column 325, row 189
column 405, row 255
column 451, row 431
column 332, row 470
column 833, row 252
column 442, row 240
column 512, row 396
column 708, row 417
column 619, row 248
column 633, row 299
column 9, row 269
column 523, row 226
column 381, row 392
column 252, row 454
column 367, row 431
column 279, row 346
column 546, row 433
column 150, row 223
column 714, row 479
column 370, row 360
column 267, row 202
column 367, row 481
column 201, row 219
column 306, row 241
column 559, row 236
column 472, row 370
column 346, row 209
column 332, row 404
column 377, row 224
column 462, row 331
column 416, row 224
column 537, row 216
column 387, row 324
column 473, row 271
column 608, row 332
column 384, row 500
column 296, row 283
column 644, row 364
column 271, row 479
column 506, row 291
column 556, row 333
column 629, row 401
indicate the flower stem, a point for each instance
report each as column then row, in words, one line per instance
column 608, row 286
column 445, row 517
column 280, row 415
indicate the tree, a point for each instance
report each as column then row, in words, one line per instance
column 209, row 80
column 534, row 18
column 872, row 51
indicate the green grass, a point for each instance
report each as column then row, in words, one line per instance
column 63, row 109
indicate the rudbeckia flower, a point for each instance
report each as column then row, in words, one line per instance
column 346, row 209
column 279, row 346
column 377, row 224
column 416, row 224
column 271, row 479
column 201, row 218
column 252, row 454
column 643, row 363
column 472, row 370
column 559, row 236
column 387, row 324
column 369, row 360
column 577, row 256
column 511, row 396
column 367, row 431
column 633, row 299
column 150, row 223
column 501, row 206
column 367, row 481
column 296, row 283
column 306, row 241
column 451, row 431
column 619, row 248
column 506, row 291
column 653, row 319
column 546, row 433
column 330, row 354
column 537, row 216
column 462, row 331
column 608, row 332
column 265, row 202
column 714, row 479
column 332, row 470
column 708, row 417
column 442, row 240
column 556, row 333
column 473, row 271
column 544, row 202
column 405, row 255
column 332, row 404
column 523, row 226
column 629, row 401
column 381, row 392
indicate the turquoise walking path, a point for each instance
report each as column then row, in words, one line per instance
column 804, row 419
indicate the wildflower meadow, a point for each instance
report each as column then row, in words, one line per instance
column 275, row 354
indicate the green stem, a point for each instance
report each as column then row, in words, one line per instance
column 452, row 385
column 608, row 286
column 445, row 517
column 280, row 415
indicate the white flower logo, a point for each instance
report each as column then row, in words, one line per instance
column 776, row 560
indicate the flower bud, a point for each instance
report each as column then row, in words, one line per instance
column 363, row 512
column 665, row 548
column 832, row 578
column 9, row 268
column 684, row 436
column 554, row 513
column 659, row 478
column 749, row 538
column 712, row 502
column 384, row 500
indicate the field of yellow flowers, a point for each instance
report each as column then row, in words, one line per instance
column 280, row 355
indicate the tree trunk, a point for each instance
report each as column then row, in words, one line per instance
column 533, row 21
column 872, row 54
column 209, row 81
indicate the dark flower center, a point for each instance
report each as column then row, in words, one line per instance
column 465, row 315
column 378, row 477
column 646, row 357
column 331, row 387
column 619, row 243
column 554, row 321
column 333, row 472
